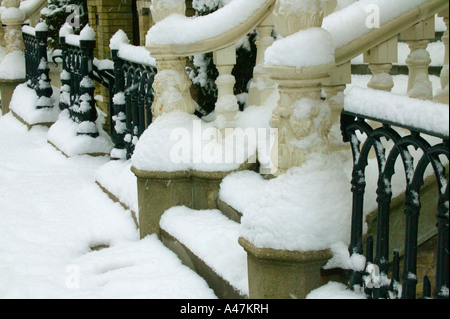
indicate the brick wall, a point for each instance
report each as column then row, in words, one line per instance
column 107, row 17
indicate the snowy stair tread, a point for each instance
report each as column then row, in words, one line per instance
column 212, row 238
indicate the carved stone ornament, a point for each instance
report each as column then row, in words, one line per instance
column 292, row 16
column 303, row 121
column 161, row 9
column 172, row 89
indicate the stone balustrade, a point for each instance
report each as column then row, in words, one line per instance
column 171, row 61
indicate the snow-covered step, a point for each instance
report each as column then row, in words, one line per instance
column 207, row 241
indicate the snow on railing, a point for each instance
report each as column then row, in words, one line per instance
column 422, row 116
column 176, row 37
column 134, row 71
column 349, row 27
column 87, row 34
column 36, row 63
column 129, row 52
column 77, row 91
column 350, row 23
column 426, row 148
column 179, row 29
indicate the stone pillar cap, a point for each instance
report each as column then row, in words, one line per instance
column 13, row 16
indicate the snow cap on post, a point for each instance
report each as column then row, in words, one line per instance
column 12, row 16
column 65, row 30
column 87, row 34
column 41, row 27
column 119, row 38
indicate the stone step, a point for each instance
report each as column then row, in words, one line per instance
column 207, row 242
column 229, row 211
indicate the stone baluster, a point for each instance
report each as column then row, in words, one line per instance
column 442, row 95
column 172, row 84
column 300, row 115
column 380, row 59
column 226, row 106
column 418, row 61
column 262, row 86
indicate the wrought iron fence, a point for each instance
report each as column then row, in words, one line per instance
column 434, row 155
column 36, row 64
column 130, row 92
column 77, row 90
column 131, row 104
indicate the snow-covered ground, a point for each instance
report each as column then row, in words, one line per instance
column 52, row 213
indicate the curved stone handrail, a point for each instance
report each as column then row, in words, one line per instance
column 389, row 30
column 32, row 9
column 224, row 40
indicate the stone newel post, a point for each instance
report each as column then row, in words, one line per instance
column 297, row 123
column 303, row 123
column 172, row 84
column 13, row 18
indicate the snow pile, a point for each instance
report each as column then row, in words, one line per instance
column 342, row 259
column 52, row 213
column 213, row 238
column 334, row 290
column 311, row 47
column 13, row 13
column 308, row 208
column 179, row 29
column 424, row 115
column 63, row 134
column 12, row 66
column 349, row 24
column 178, row 141
column 117, row 178
column 87, row 34
column 29, row 30
column 24, row 101
column 131, row 53
column 66, row 30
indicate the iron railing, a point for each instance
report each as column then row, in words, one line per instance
column 131, row 104
column 77, row 91
column 36, row 65
column 396, row 287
